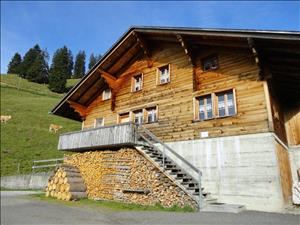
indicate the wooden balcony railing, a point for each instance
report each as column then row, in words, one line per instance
column 119, row 135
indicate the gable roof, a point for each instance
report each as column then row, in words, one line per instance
column 285, row 44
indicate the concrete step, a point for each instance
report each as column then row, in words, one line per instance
column 222, row 207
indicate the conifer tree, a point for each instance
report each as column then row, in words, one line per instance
column 14, row 64
column 29, row 59
column 93, row 60
column 60, row 69
column 79, row 67
column 38, row 72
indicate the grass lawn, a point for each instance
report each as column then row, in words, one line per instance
column 72, row 82
column 25, row 137
column 116, row 206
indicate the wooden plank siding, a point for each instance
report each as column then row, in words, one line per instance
column 292, row 125
column 284, row 172
column 237, row 69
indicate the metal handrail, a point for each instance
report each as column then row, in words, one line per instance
column 34, row 166
column 170, row 149
column 156, row 139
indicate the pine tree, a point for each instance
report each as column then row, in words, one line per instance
column 38, row 72
column 60, row 70
column 29, row 59
column 93, row 60
column 70, row 62
column 79, row 67
column 14, row 65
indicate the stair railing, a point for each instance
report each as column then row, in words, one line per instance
column 165, row 146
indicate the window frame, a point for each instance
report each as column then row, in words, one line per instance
column 133, row 82
column 215, row 109
column 197, row 106
column 134, row 113
column 146, row 109
column 103, row 93
column 158, row 74
column 123, row 113
column 225, row 102
column 95, row 122
column 208, row 58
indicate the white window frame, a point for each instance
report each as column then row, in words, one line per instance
column 134, row 83
column 106, row 95
column 141, row 116
column 159, row 74
column 147, row 114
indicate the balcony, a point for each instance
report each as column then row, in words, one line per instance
column 119, row 135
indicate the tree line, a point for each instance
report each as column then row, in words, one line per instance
column 35, row 68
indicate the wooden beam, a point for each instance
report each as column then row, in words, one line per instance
column 120, row 59
column 114, row 82
column 145, row 48
column 109, row 78
column 268, row 105
column 258, row 60
column 82, row 110
column 187, row 51
column 113, row 100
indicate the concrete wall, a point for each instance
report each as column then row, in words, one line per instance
column 294, row 156
column 28, row 181
column 238, row 169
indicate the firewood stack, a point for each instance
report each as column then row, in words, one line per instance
column 66, row 184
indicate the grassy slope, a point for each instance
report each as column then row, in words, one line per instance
column 26, row 137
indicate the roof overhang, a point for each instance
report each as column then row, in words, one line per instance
column 279, row 49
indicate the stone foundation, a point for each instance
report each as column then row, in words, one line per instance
column 126, row 175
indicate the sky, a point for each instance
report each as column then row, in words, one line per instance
column 95, row 26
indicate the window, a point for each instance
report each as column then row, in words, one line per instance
column 164, row 74
column 205, row 107
column 210, row 63
column 124, row 118
column 138, row 116
column 99, row 122
column 226, row 104
column 106, row 94
column 151, row 114
column 137, row 83
column 215, row 105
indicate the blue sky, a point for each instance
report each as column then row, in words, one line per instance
column 95, row 26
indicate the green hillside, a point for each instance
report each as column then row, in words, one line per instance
column 26, row 137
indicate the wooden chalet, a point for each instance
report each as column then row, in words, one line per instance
column 226, row 101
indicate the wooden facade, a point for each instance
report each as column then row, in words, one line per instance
column 176, row 100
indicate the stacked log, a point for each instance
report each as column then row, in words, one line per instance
column 66, row 184
column 126, row 175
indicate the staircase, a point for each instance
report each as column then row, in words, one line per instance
column 161, row 155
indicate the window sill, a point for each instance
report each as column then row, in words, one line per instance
column 209, row 70
column 151, row 122
column 161, row 84
column 219, row 117
column 136, row 91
